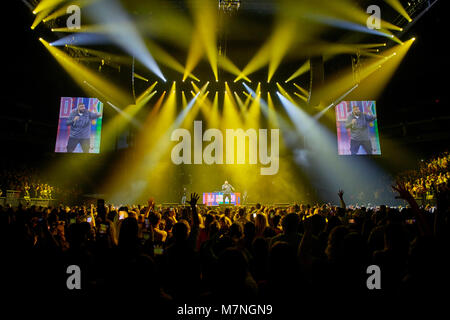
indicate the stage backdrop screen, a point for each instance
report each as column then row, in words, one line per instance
column 79, row 130
column 357, row 134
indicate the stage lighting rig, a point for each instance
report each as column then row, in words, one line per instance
column 229, row 5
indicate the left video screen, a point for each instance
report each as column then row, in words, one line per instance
column 79, row 126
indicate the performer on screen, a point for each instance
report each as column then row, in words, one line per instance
column 226, row 189
column 358, row 123
column 79, row 122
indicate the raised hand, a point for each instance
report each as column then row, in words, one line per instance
column 194, row 199
column 340, row 193
column 151, row 203
column 403, row 192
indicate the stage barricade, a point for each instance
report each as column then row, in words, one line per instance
column 15, row 202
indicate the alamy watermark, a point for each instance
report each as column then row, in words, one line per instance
column 374, row 280
column 74, row 279
column 213, row 153
column 73, row 22
column 374, row 20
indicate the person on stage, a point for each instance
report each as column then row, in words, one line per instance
column 79, row 122
column 358, row 123
column 226, row 189
column 183, row 198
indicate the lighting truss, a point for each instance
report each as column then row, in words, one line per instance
column 229, row 5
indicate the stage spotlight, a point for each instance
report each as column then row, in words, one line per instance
column 123, row 32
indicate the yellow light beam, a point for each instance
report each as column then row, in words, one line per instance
column 285, row 93
column 301, row 96
column 377, row 70
column 231, row 116
column 81, row 74
column 46, row 5
column 166, row 59
column 303, row 69
column 227, row 65
column 63, row 10
column 303, row 91
column 146, row 92
column 214, row 118
column 374, row 83
column 194, row 55
column 285, row 34
column 205, row 16
column 395, row 4
column 272, row 114
column 39, row 17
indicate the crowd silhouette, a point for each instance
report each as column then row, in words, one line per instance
column 242, row 254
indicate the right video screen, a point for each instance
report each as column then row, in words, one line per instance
column 357, row 128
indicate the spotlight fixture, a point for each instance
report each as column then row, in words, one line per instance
column 229, row 5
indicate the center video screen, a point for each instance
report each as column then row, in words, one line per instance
column 80, row 125
column 357, row 128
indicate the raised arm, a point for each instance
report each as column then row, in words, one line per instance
column 404, row 194
column 370, row 116
column 304, row 250
column 193, row 203
column 341, row 199
column 94, row 115
column 150, row 207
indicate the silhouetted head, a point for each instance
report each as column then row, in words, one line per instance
column 290, row 223
column 249, row 230
column 236, row 231
column 394, row 237
column 232, row 267
column 318, row 223
column 154, row 218
column 282, row 260
column 180, row 232
column 335, row 246
column 128, row 235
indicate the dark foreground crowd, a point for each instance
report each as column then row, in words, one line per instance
column 166, row 257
